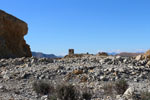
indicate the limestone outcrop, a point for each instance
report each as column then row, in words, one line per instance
column 147, row 54
column 12, row 32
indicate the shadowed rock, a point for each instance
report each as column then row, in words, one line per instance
column 12, row 32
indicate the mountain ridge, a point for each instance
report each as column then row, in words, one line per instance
column 43, row 55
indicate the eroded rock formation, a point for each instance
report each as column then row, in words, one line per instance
column 147, row 54
column 102, row 54
column 12, row 32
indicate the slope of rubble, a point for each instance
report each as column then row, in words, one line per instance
column 93, row 72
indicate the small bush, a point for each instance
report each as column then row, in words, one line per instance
column 60, row 92
column 42, row 88
column 52, row 97
column 86, row 96
column 67, row 92
column 145, row 95
column 121, row 86
column 108, row 88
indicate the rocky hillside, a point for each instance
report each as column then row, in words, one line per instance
column 96, row 73
column 42, row 55
column 128, row 54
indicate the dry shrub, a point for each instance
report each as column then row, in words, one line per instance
column 61, row 92
column 121, row 86
column 42, row 87
column 108, row 88
column 145, row 95
column 67, row 92
column 86, row 94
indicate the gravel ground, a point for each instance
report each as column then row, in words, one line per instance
column 92, row 72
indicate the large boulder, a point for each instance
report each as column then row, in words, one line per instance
column 139, row 57
column 12, row 32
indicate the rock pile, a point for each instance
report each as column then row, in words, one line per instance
column 12, row 31
column 146, row 55
column 17, row 75
column 102, row 54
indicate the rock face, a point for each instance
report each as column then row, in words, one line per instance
column 12, row 32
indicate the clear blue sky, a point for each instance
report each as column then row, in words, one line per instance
column 85, row 25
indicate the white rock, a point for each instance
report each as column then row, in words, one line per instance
column 129, row 93
column 148, row 64
column 44, row 97
column 2, row 87
column 139, row 57
column 118, row 57
column 118, row 97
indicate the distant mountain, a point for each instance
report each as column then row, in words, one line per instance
column 129, row 54
column 42, row 55
column 125, row 54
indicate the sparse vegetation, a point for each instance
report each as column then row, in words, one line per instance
column 42, row 88
column 86, row 95
column 113, row 88
column 121, row 86
column 108, row 88
column 61, row 92
column 145, row 95
column 67, row 92
column 52, row 97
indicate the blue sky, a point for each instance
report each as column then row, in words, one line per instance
column 85, row 25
